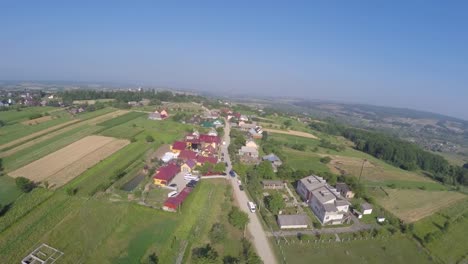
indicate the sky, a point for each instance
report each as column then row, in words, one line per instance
column 411, row 54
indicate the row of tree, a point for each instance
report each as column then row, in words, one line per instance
column 397, row 152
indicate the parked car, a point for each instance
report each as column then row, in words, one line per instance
column 232, row 173
column 241, row 187
column 172, row 194
column 251, row 206
column 192, row 183
column 173, row 185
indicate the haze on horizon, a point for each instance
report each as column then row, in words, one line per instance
column 400, row 54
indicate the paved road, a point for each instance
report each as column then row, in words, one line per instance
column 260, row 240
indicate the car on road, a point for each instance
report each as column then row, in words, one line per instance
column 232, row 173
column 241, row 187
column 251, row 206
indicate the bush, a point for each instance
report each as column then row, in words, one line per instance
column 325, row 160
column 217, row 233
column 238, row 218
column 205, row 254
column 71, row 191
column 24, row 184
column 149, row 138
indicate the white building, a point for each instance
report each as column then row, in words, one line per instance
column 366, row 208
column 325, row 201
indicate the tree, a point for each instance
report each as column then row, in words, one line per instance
column 204, row 168
column 325, row 160
column 230, row 260
column 217, row 233
column 274, row 202
column 265, row 136
column 24, row 184
column 153, row 259
column 149, row 138
column 465, row 166
column 220, row 167
column 248, row 254
column 2, row 123
column 265, row 170
column 205, row 254
column 237, row 218
column 287, row 123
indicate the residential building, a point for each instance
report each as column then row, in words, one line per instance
column 188, row 166
column 366, row 208
column 187, row 155
column 202, row 160
column 155, row 116
column 275, row 161
column 178, row 146
column 325, row 201
column 293, row 221
column 344, row 190
column 248, row 151
column 271, row 184
column 165, row 174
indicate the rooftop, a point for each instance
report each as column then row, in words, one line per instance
column 290, row 220
column 366, row 206
column 313, row 182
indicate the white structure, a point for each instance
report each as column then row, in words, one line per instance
column 168, row 156
column 366, row 208
column 248, row 151
column 325, row 201
column 251, row 207
column 293, row 221
column 380, row 219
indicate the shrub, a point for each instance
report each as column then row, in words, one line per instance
column 325, row 160
column 24, row 184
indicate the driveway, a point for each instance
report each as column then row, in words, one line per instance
column 260, row 239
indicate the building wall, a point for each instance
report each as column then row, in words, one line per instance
column 160, row 182
column 302, row 191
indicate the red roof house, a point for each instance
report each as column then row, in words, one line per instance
column 178, row 146
column 202, row 160
column 187, row 155
column 173, row 203
column 209, row 139
column 165, row 174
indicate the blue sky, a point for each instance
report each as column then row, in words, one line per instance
column 391, row 53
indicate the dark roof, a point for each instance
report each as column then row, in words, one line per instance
column 187, row 154
column 366, row 206
column 167, row 172
column 191, row 163
column 179, row 145
column 288, row 220
column 342, row 186
column 175, row 202
column 212, row 160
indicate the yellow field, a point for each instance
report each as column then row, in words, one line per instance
column 291, row 132
column 413, row 205
column 65, row 164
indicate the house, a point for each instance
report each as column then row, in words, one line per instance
column 344, row 190
column 366, row 208
column 209, row 140
column 243, row 118
column 293, row 221
column 165, row 174
column 251, row 144
column 172, row 204
column 217, row 123
column 168, row 156
column 155, row 116
column 164, row 114
column 275, row 161
column 207, row 124
column 213, row 132
column 188, row 166
column 270, row 184
column 187, row 155
column 357, row 213
column 178, row 146
column 208, row 151
column 248, row 151
column 202, row 160
column 246, row 127
column 256, row 133
column 325, row 201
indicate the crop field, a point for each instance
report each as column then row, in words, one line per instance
column 39, row 150
column 121, row 119
column 291, row 132
column 413, row 205
column 36, row 121
column 91, row 102
column 91, row 121
column 301, row 160
column 69, row 162
column 396, row 249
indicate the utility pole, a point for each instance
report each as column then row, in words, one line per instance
column 362, row 168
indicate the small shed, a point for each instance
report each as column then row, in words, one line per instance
column 366, row 208
column 293, row 221
column 380, row 219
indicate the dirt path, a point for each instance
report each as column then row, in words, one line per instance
column 92, row 121
column 291, row 132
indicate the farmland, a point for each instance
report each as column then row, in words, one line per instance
column 67, row 163
column 413, row 205
column 8, row 190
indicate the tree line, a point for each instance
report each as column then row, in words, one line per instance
column 400, row 153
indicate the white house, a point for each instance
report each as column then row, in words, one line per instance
column 366, row 208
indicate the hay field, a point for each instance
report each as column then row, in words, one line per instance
column 92, row 121
column 65, row 164
column 291, row 132
column 413, row 205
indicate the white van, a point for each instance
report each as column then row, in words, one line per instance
column 190, row 177
column 251, row 207
column 172, row 194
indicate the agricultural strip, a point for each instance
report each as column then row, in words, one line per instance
column 291, row 132
column 79, row 155
column 413, row 205
column 92, row 121
column 37, row 120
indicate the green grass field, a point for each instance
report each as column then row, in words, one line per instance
column 14, row 116
column 396, row 249
column 301, row 160
column 121, row 119
column 8, row 190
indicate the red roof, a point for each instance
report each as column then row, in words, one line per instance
column 179, row 145
column 210, row 149
column 187, row 154
column 175, row 202
column 193, row 140
column 212, row 160
column 167, row 172
column 209, row 139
